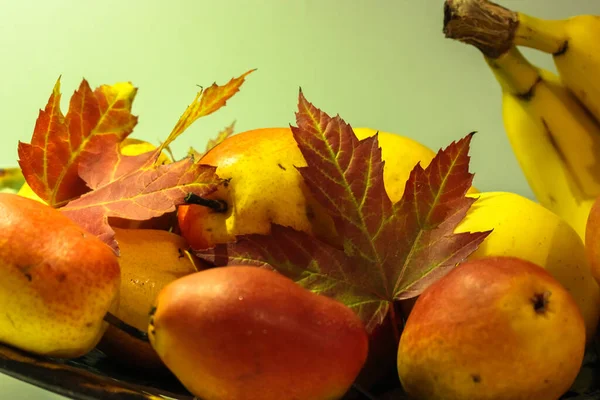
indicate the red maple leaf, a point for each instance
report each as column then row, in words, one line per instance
column 390, row 251
column 50, row 163
column 141, row 195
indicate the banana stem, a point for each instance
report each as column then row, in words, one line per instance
column 545, row 35
column 515, row 73
column 487, row 26
column 494, row 29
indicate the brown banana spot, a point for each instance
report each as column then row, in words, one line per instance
column 561, row 156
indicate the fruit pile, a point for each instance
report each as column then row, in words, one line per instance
column 298, row 262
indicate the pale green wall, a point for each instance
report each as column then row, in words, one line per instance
column 383, row 64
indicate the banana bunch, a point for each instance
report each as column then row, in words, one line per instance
column 552, row 121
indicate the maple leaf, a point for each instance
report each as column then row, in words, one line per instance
column 140, row 195
column 391, row 251
column 50, row 163
column 107, row 164
column 221, row 136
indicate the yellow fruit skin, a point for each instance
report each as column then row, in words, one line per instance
column 525, row 229
column 149, row 260
column 573, row 43
column 482, row 333
column 27, row 192
column 133, row 147
column 58, row 281
column 262, row 166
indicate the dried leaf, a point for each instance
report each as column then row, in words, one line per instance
column 222, row 135
column 141, row 195
column 107, row 164
column 206, row 102
column 390, row 251
column 50, row 163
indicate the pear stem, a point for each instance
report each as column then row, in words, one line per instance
column 125, row 327
column 215, row 205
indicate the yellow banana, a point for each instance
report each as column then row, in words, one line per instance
column 575, row 47
column 573, row 42
column 554, row 139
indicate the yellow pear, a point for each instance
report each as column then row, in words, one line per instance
column 149, row 259
column 58, row 281
column 524, row 229
column 265, row 186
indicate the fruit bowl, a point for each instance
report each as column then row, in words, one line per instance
column 94, row 376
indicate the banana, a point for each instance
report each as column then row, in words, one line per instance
column 555, row 140
column 553, row 136
column 575, row 46
column 573, row 42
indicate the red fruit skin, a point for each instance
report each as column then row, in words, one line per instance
column 475, row 334
column 248, row 333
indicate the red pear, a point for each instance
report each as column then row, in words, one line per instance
column 248, row 333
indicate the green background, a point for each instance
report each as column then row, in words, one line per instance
column 383, row 64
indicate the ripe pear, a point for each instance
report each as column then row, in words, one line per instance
column 523, row 228
column 495, row 328
column 265, row 186
column 248, row 333
column 149, row 259
column 58, row 281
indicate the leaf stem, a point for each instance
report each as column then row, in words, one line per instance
column 215, row 205
column 125, row 327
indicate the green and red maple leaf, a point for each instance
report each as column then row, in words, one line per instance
column 390, row 251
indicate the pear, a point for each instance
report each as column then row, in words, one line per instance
column 58, row 281
column 149, row 260
column 525, row 229
column 248, row 333
column 494, row 328
column 265, row 186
